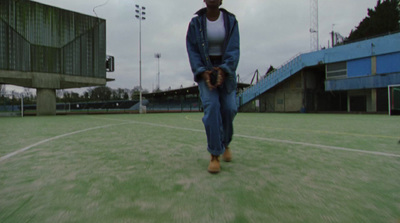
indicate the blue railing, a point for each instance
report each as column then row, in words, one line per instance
column 291, row 67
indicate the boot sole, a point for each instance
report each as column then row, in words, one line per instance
column 213, row 171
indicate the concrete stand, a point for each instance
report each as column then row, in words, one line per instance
column 46, row 102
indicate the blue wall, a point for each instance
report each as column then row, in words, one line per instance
column 359, row 68
column 354, row 51
column 386, row 49
column 369, row 82
column 387, row 64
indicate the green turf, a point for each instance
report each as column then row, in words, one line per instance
column 152, row 168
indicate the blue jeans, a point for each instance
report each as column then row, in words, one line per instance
column 219, row 111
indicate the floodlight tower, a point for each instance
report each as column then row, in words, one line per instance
column 314, row 38
column 140, row 15
column 158, row 56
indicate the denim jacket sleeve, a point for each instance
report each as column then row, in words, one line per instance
column 196, row 48
column 230, row 58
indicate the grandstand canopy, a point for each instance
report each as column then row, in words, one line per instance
column 193, row 90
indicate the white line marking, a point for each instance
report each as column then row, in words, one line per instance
column 271, row 140
column 194, row 130
column 319, row 146
column 51, row 139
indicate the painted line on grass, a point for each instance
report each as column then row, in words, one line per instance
column 51, row 139
column 125, row 122
column 313, row 131
column 319, row 146
column 270, row 139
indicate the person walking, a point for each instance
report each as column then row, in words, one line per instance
column 213, row 47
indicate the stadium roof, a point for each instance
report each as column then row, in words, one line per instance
column 184, row 91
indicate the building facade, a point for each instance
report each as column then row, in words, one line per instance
column 49, row 48
column 352, row 77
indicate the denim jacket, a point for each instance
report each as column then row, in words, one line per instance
column 197, row 47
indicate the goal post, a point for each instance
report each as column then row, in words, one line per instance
column 394, row 99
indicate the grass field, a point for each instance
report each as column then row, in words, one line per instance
column 153, row 168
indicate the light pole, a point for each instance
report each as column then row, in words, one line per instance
column 140, row 14
column 158, row 56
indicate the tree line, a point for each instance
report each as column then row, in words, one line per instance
column 95, row 94
column 102, row 93
column 383, row 19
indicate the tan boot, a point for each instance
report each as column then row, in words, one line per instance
column 227, row 156
column 214, row 166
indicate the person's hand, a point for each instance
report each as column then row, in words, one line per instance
column 221, row 76
column 206, row 77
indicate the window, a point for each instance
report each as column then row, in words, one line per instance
column 336, row 70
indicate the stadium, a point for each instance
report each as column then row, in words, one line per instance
column 316, row 139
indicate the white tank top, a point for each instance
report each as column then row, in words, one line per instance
column 216, row 35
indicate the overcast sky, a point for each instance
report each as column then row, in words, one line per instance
column 271, row 31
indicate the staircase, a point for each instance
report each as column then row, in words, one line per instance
column 294, row 65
